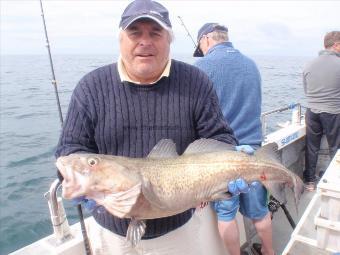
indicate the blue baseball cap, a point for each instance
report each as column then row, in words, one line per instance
column 146, row 9
column 204, row 30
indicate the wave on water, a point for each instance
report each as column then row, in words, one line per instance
column 30, row 160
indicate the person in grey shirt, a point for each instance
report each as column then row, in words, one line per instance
column 321, row 81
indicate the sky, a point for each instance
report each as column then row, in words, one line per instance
column 276, row 28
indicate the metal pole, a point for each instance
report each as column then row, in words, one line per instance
column 83, row 231
column 60, row 224
column 288, row 107
column 54, row 83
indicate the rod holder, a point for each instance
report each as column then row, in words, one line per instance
column 59, row 220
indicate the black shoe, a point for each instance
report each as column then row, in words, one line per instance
column 256, row 249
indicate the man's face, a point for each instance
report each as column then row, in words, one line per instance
column 336, row 47
column 144, row 47
column 204, row 44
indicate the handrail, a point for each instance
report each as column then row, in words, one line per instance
column 281, row 109
column 296, row 116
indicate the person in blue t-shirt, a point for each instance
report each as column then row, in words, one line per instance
column 237, row 82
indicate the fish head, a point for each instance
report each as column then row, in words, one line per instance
column 90, row 174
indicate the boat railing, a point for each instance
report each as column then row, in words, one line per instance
column 296, row 116
column 59, row 220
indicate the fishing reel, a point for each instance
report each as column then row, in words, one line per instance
column 273, row 205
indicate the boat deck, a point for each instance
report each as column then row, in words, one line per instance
column 282, row 229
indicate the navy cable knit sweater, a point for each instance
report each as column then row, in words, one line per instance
column 107, row 116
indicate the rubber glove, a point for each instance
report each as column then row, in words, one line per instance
column 239, row 185
column 89, row 204
column 245, row 148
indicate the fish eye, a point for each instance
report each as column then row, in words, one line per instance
column 92, row 161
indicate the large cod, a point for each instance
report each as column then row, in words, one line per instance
column 165, row 183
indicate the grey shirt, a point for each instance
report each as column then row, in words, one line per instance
column 321, row 81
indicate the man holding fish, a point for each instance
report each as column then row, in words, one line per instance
column 126, row 126
column 124, row 109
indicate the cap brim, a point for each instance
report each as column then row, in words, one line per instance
column 198, row 52
column 146, row 16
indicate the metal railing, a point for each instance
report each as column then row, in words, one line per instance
column 296, row 116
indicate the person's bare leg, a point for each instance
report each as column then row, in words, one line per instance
column 264, row 231
column 230, row 235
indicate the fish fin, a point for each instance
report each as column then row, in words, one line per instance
column 298, row 189
column 276, row 189
column 135, row 231
column 165, row 148
column 204, row 145
column 121, row 203
column 270, row 151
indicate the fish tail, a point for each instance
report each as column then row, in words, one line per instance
column 298, row 189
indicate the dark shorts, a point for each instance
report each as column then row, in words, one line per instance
column 252, row 205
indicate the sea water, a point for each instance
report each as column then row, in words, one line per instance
column 30, row 127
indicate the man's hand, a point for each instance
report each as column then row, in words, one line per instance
column 89, row 204
column 238, row 186
column 245, row 148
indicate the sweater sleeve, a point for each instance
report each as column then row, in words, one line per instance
column 78, row 129
column 209, row 117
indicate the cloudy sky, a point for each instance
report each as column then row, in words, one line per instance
column 286, row 28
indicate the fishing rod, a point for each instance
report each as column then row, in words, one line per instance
column 273, row 207
column 54, row 83
column 188, row 33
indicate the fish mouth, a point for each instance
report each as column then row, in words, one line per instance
column 65, row 171
column 71, row 188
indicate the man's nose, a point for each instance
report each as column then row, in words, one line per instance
column 145, row 39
